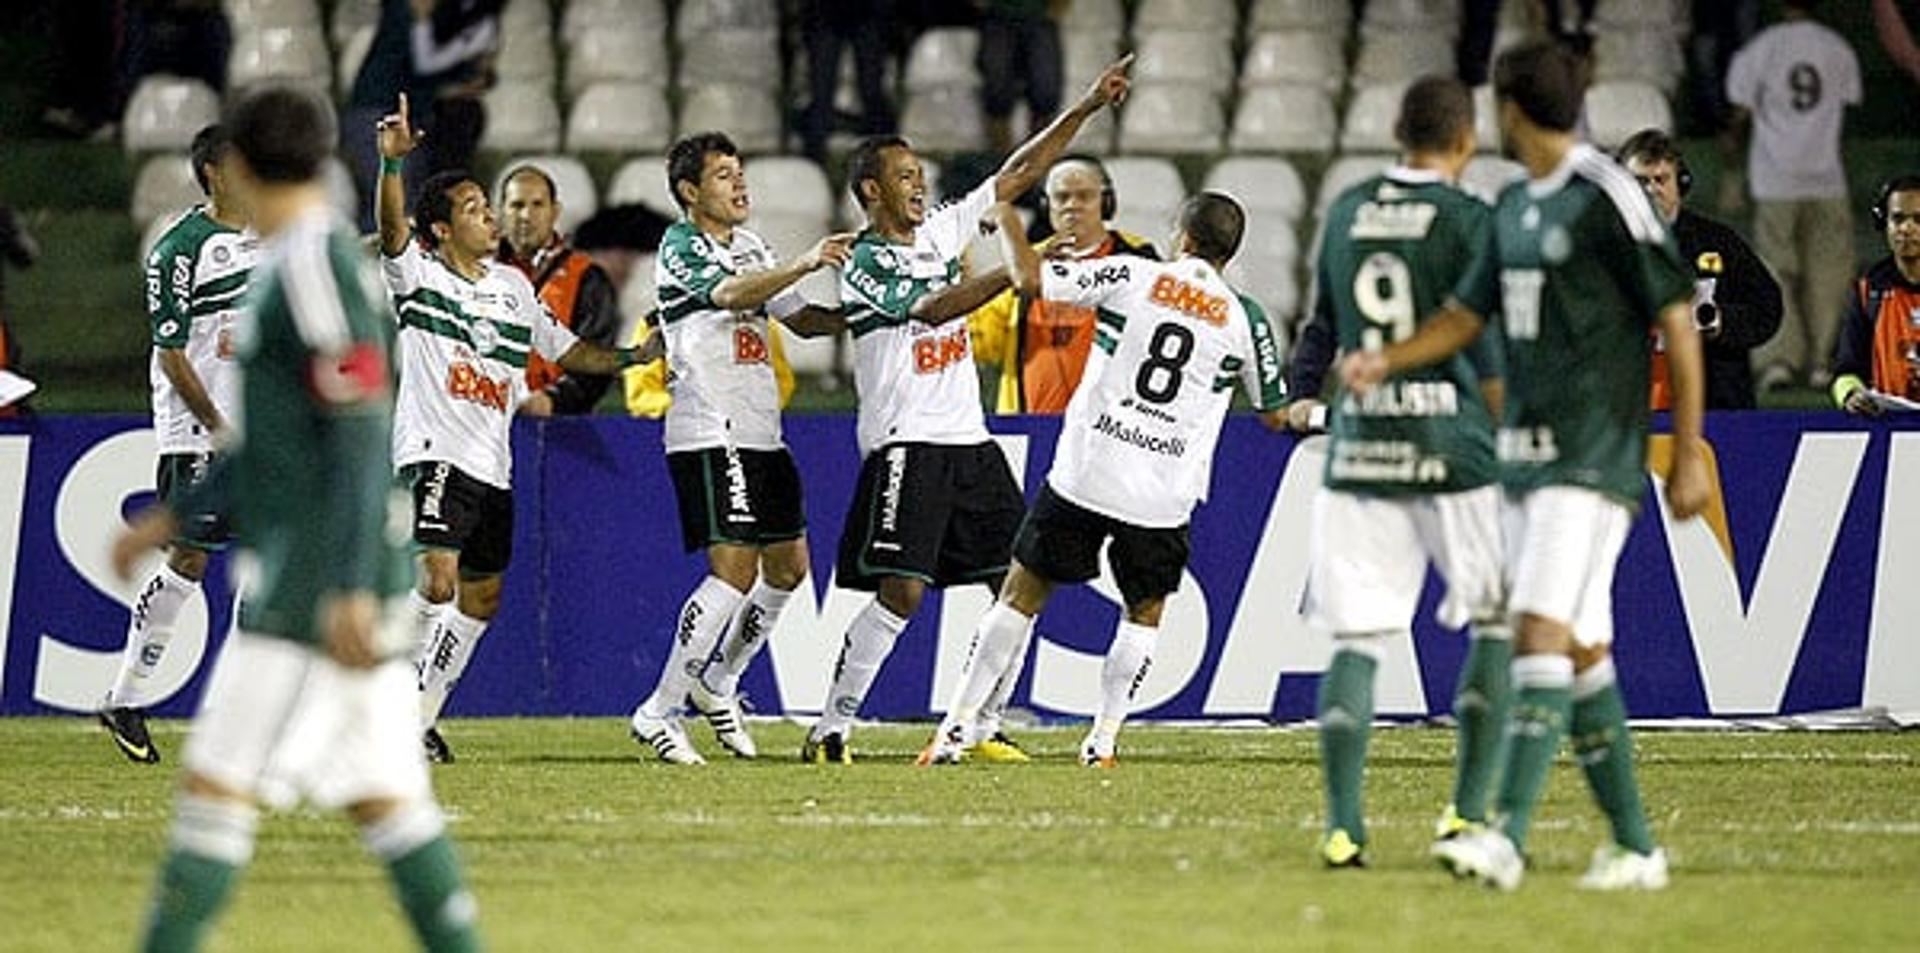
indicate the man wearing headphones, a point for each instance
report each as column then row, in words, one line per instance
column 1736, row 302
column 1878, row 348
column 1041, row 346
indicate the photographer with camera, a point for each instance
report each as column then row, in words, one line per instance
column 1736, row 302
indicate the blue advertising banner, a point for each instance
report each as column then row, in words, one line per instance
column 1796, row 593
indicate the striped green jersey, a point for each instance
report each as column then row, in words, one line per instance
column 195, row 276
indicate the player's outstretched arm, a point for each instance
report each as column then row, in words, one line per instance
column 1440, row 337
column 1688, row 485
column 1023, row 261
column 814, row 321
column 959, row 299
column 396, row 138
column 745, row 292
column 1032, row 159
column 586, row 357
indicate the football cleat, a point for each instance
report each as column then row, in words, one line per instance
column 1485, row 855
column 437, row 750
column 947, row 747
column 1618, row 868
column 830, row 748
column 1337, row 850
column 1452, row 825
column 665, row 737
column 722, row 713
column 128, row 728
column 1096, row 753
column 999, row 749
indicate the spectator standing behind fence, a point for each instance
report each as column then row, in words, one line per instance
column 827, row 26
column 19, row 250
column 1794, row 82
column 1019, row 55
column 1736, row 302
column 1879, row 342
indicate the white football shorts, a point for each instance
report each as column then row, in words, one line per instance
column 1370, row 555
column 1562, row 545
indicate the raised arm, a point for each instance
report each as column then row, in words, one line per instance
column 1031, row 161
column 961, row 298
column 745, row 292
column 396, row 137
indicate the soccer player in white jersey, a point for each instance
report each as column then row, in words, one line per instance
column 467, row 328
column 1135, row 450
column 195, row 277
column 738, row 490
column 936, row 503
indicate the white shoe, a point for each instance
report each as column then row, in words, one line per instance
column 722, row 712
column 666, row 737
column 1617, row 868
column 1485, row 855
column 1097, row 752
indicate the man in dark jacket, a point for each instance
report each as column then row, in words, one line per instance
column 1736, row 300
column 576, row 290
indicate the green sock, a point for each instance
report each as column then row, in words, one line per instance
column 1605, row 749
column 428, row 881
column 1346, row 717
column 1480, row 705
column 192, row 889
column 1533, row 738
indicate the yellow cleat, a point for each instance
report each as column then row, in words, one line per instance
column 1452, row 825
column 830, row 749
column 999, row 749
column 1338, row 850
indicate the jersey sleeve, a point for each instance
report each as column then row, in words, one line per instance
column 169, row 279
column 1743, row 77
column 1090, row 282
column 1262, row 374
column 1849, row 78
column 405, row 272
column 687, row 272
column 1478, row 289
column 951, row 226
column 551, row 338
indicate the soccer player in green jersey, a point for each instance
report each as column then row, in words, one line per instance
column 1579, row 268
column 1410, row 472
column 323, row 629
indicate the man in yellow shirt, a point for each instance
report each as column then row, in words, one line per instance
column 1041, row 346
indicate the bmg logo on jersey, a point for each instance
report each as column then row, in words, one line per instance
column 749, row 347
column 465, row 382
column 931, row 355
column 1189, row 299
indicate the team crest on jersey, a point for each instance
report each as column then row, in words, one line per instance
column 1556, row 246
column 221, row 255
column 485, row 335
column 885, row 258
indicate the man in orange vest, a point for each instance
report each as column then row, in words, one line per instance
column 1878, row 349
column 1041, row 346
column 577, row 291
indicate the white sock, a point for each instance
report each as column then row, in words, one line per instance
column 149, row 629
column 703, row 617
column 445, row 660
column 426, row 618
column 747, row 634
column 988, row 724
column 1128, row 660
column 1000, row 633
column 869, row 641
column 214, row 828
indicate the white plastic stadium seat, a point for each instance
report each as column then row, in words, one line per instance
column 791, row 187
column 155, row 228
column 1184, row 56
column 585, row 17
column 1083, row 56
column 353, row 52
column 520, row 16
column 521, row 117
column 1395, row 16
column 1400, row 57
column 746, row 57
column 166, row 112
column 706, row 16
column 1267, row 266
column 942, row 58
column 637, row 296
column 1653, row 56
column 164, row 186
column 944, row 119
column 254, row 14
column 616, row 56
column 1295, row 58
column 526, row 56
column 1618, row 110
column 1487, row 176
column 749, row 114
column 1099, row 18
column 1324, row 16
column 620, row 117
column 280, row 54
column 1268, row 187
column 1284, row 119
column 1212, row 16
column 790, row 235
column 1172, row 119
column 643, row 181
column 578, row 200
column 1345, row 172
column 351, row 15
column 1486, row 118
column 1149, row 192
column 1642, row 14
column 341, row 193
column 1370, row 118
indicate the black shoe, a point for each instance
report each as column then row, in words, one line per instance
column 831, row 749
column 128, row 728
column 437, row 750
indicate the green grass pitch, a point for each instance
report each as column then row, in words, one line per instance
column 1199, row 840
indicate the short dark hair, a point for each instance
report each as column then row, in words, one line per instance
column 285, row 133
column 1433, row 113
column 1883, row 198
column 1545, row 80
column 433, row 202
column 864, row 163
column 210, row 145
column 528, row 168
column 1213, row 224
column 1649, row 145
column 688, row 159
